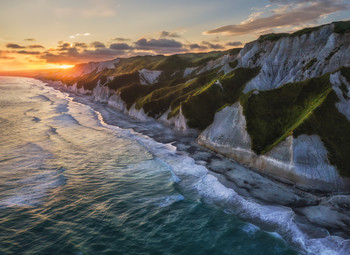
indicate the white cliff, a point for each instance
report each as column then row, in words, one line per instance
column 295, row 58
column 302, row 160
column 222, row 62
column 148, row 77
column 103, row 94
column 116, row 102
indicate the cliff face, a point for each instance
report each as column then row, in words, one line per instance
column 280, row 105
column 302, row 161
column 302, row 158
column 296, row 57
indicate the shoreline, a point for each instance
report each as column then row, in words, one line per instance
column 246, row 182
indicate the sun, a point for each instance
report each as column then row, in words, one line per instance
column 65, row 66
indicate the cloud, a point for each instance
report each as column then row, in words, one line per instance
column 80, row 45
column 160, row 46
column 285, row 14
column 196, row 46
column 28, row 52
column 97, row 44
column 164, row 34
column 67, row 53
column 213, row 46
column 29, row 39
column 36, row 46
column 74, row 56
column 120, row 46
column 205, row 46
column 153, row 44
column 121, row 39
column 14, row 46
column 63, row 46
column 234, row 44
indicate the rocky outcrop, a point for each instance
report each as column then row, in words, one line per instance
column 102, row 93
column 179, row 121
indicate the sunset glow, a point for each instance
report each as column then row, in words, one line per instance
column 66, row 66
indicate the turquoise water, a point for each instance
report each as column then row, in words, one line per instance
column 71, row 184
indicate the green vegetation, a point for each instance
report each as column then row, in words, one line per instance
column 124, row 80
column 234, row 51
column 89, row 81
column 306, row 30
column 334, row 129
column 197, row 59
column 276, row 36
column 272, row 37
column 345, row 71
column 233, row 64
column 131, row 93
column 342, row 27
column 172, row 63
column 310, row 64
column 273, row 115
column 201, row 107
column 332, row 53
column 165, row 63
column 344, row 89
column 159, row 100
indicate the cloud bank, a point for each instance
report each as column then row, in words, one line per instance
column 285, row 14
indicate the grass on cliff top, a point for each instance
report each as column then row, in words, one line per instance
column 164, row 63
column 272, row 37
column 306, row 107
column 340, row 27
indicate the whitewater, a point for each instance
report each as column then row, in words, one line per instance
column 79, row 178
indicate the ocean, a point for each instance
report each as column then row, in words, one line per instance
column 72, row 184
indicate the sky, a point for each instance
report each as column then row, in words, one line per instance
column 37, row 34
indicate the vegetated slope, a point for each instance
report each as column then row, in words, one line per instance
column 281, row 80
column 306, row 107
